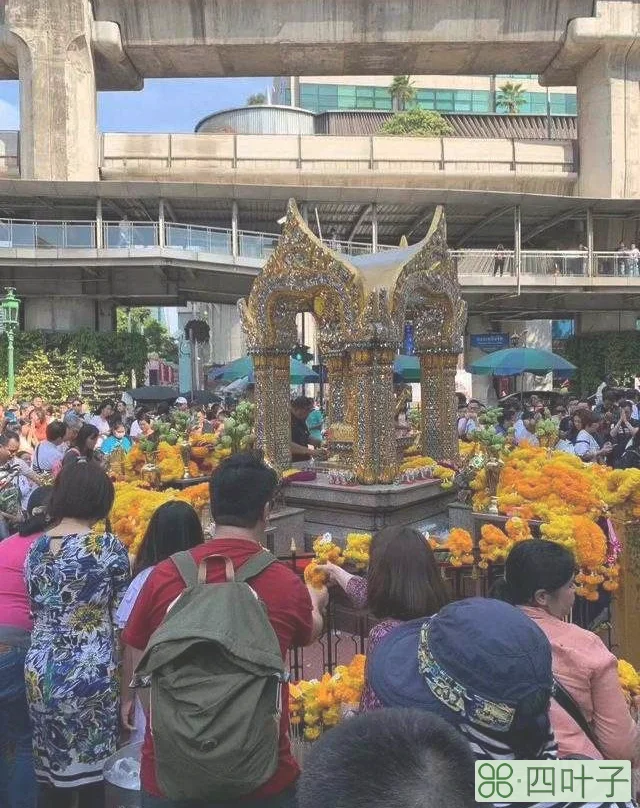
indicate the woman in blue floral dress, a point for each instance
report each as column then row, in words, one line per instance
column 76, row 578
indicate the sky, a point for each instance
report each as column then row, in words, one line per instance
column 164, row 105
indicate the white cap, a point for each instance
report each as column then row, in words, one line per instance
column 181, row 400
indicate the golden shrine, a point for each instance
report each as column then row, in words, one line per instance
column 361, row 306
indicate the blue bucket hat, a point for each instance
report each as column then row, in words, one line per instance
column 474, row 662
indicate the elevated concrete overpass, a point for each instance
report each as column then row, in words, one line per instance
column 64, row 50
column 71, row 274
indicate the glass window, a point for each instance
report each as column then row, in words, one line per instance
column 563, row 329
column 346, row 102
column 381, row 92
column 364, row 92
column 564, row 104
column 346, row 91
column 382, row 103
column 535, row 104
column 481, row 101
column 328, row 91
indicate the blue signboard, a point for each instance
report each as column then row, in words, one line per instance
column 490, row 342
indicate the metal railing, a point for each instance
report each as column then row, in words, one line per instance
column 617, row 264
column 257, row 246
column 544, row 263
column 26, row 234
column 214, row 240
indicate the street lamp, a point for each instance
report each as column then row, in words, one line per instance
column 10, row 306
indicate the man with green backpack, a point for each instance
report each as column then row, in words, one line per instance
column 215, row 624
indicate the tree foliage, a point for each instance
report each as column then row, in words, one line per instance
column 402, row 92
column 256, row 99
column 417, row 123
column 597, row 355
column 56, row 375
column 140, row 321
column 115, row 353
column 511, row 98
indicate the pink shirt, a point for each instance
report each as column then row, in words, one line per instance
column 589, row 672
column 15, row 610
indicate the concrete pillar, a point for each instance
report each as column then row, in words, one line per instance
column 374, row 228
column 162, row 240
column 517, row 243
column 72, row 314
column 52, row 40
column 591, row 268
column 235, row 247
column 99, row 224
column 609, row 122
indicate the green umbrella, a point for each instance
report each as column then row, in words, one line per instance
column 243, row 368
column 408, row 367
column 515, row 361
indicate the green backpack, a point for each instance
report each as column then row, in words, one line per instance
column 216, row 683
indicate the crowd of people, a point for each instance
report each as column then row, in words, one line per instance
column 604, row 430
column 93, row 644
column 37, row 441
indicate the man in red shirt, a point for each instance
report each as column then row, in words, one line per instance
column 241, row 491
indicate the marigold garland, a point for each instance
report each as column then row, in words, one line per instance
column 629, row 680
column 460, row 546
column 317, row 705
column 356, row 550
column 135, row 504
column 494, row 545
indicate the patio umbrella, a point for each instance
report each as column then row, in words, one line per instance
column 407, row 368
column 243, row 368
column 515, row 361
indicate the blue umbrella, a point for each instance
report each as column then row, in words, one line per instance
column 243, row 368
column 515, row 361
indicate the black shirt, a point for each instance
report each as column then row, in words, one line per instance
column 300, row 435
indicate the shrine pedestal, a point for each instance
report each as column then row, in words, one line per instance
column 367, row 508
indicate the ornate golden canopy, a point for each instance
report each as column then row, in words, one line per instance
column 361, row 306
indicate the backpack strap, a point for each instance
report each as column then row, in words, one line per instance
column 255, row 565
column 187, row 567
column 570, row 706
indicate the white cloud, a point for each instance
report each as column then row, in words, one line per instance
column 9, row 116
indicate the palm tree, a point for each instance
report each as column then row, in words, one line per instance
column 511, row 98
column 256, row 99
column 402, row 92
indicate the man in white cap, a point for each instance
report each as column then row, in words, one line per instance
column 182, row 404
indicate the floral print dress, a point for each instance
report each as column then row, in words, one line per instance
column 71, row 667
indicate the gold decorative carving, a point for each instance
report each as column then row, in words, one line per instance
column 360, row 307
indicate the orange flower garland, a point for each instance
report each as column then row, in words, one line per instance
column 494, row 545
column 460, row 546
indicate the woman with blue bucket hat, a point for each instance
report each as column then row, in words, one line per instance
column 485, row 667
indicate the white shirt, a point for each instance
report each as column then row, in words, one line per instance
column 122, row 615
column 46, row 456
column 135, row 430
column 101, row 424
column 586, row 444
column 522, row 434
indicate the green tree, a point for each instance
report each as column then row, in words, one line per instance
column 160, row 342
column 256, row 99
column 402, row 92
column 132, row 319
column 511, row 98
column 417, row 123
